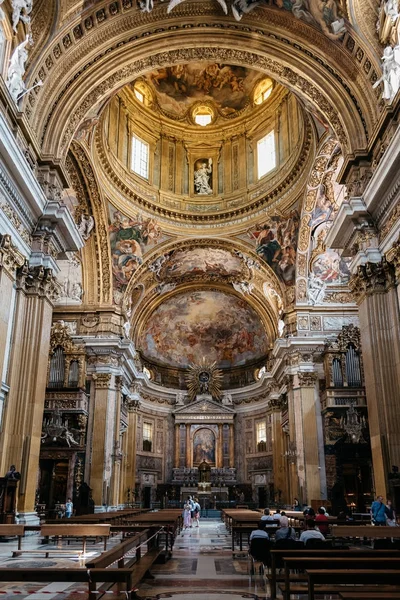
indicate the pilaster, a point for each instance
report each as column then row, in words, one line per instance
column 102, row 440
column 133, row 403
column 308, row 461
column 278, row 448
column 374, row 288
column 21, row 438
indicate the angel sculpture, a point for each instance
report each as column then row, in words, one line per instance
column 21, row 12
column 16, row 70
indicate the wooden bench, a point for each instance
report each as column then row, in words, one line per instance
column 323, row 554
column 97, row 570
column 13, row 530
column 71, row 531
column 334, row 562
column 129, row 574
column 333, row 577
column 378, row 595
column 364, row 531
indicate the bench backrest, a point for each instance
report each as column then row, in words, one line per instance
column 73, row 530
column 363, row 576
column 12, row 529
column 367, row 531
column 111, row 556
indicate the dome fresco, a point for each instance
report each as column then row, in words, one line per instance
column 229, row 88
column 188, row 326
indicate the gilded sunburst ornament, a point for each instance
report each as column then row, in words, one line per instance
column 204, row 378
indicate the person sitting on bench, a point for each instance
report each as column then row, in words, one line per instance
column 259, row 532
column 267, row 516
column 322, row 521
column 285, row 532
column 311, row 532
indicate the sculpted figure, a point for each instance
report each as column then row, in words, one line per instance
column 390, row 8
column 240, row 7
column 202, row 178
column 86, row 225
column 16, row 70
column 21, row 12
column 390, row 72
column 316, row 289
column 2, row 16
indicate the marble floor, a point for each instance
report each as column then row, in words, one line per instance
column 201, row 568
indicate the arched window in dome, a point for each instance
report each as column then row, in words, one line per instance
column 263, row 90
column 203, row 115
column 266, row 154
column 140, row 157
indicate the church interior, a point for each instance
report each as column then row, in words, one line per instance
column 199, row 264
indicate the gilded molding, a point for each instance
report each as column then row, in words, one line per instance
column 393, row 257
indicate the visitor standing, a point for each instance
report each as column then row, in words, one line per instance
column 391, row 520
column 378, row 512
column 68, row 508
column 196, row 512
column 187, row 520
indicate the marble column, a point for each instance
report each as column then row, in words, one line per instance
column 307, row 441
column 188, row 461
column 130, row 449
column 231, row 446
column 177, row 445
column 374, row 288
column 295, row 478
column 36, row 290
column 219, row 457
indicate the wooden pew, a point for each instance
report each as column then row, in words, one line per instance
column 75, row 531
column 130, row 574
column 13, row 530
column 171, row 520
column 334, row 577
column 97, row 570
column 364, row 531
column 378, row 595
column 323, row 554
column 334, row 562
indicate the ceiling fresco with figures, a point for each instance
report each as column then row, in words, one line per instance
column 213, row 324
column 198, row 261
column 229, row 88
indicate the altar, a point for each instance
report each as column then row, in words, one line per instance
column 204, row 436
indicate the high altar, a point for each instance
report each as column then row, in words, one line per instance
column 204, row 449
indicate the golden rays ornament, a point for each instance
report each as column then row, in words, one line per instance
column 204, row 379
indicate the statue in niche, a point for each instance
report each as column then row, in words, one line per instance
column 203, row 176
column 16, row 70
column 86, row 226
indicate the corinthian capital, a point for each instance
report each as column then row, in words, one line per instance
column 10, row 257
column 101, row 380
column 372, row 278
column 306, row 379
column 38, row 281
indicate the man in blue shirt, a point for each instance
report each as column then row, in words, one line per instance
column 378, row 514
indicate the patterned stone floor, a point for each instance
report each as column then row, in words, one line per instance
column 201, row 568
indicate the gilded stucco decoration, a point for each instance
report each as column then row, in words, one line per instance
column 90, row 201
column 51, row 69
column 322, row 266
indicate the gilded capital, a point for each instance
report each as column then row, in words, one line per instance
column 101, row 380
column 10, row 257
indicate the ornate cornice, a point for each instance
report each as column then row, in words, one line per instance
column 10, row 257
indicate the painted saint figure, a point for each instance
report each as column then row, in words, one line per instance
column 202, row 177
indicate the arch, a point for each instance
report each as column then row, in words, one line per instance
column 108, row 57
